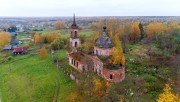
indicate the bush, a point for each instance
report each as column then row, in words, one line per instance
column 152, row 84
column 9, row 58
column 57, row 44
column 3, row 60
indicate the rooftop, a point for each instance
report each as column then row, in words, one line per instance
column 104, row 41
column 74, row 25
column 20, row 49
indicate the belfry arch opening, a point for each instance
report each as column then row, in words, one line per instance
column 75, row 34
column 75, row 44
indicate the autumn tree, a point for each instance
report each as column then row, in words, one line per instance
column 59, row 25
column 125, row 35
column 88, row 45
column 5, row 39
column 135, row 33
column 168, row 96
column 171, row 26
column 91, row 88
column 36, row 38
column 97, row 27
column 117, row 56
column 43, row 52
column 43, row 37
column 154, row 30
column 113, row 27
column 49, row 38
column 56, row 36
column 57, row 44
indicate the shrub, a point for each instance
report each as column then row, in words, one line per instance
column 9, row 58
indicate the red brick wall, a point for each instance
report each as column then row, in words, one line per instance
column 117, row 75
column 79, row 68
column 103, row 51
column 72, row 32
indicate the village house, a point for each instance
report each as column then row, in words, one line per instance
column 97, row 62
column 20, row 50
column 7, row 47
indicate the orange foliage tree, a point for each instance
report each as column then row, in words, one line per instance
column 5, row 38
column 135, row 32
column 43, row 52
column 59, row 25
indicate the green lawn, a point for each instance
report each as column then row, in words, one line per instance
column 30, row 78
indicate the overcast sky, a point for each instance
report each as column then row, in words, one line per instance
column 30, row 8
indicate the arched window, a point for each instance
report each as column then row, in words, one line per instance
column 71, row 61
column 77, row 64
column 111, row 76
column 75, row 44
column 75, row 34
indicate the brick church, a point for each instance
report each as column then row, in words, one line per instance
column 103, row 49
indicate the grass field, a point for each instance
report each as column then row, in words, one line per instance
column 65, row 33
column 31, row 79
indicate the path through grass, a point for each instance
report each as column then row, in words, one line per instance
column 33, row 79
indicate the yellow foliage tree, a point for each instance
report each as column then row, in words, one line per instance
column 49, row 38
column 155, row 29
column 56, row 36
column 43, row 36
column 5, row 39
column 36, row 38
column 100, row 87
column 75, row 97
column 43, row 52
column 168, row 96
column 135, row 32
column 117, row 56
column 123, row 60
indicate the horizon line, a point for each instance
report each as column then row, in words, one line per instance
column 78, row 16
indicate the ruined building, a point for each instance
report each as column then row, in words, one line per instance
column 103, row 49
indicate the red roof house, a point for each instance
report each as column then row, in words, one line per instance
column 20, row 50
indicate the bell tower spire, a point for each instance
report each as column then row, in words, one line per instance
column 74, row 20
column 74, row 37
column 74, row 26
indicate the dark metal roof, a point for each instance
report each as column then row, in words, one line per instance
column 74, row 25
column 13, row 34
column 7, row 47
column 104, row 41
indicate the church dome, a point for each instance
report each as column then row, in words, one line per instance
column 104, row 41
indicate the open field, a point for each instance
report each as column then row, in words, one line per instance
column 29, row 78
column 65, row 33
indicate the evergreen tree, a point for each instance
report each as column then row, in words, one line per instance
column 141, row 31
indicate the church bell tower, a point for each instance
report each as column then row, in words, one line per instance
column 74, row 37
